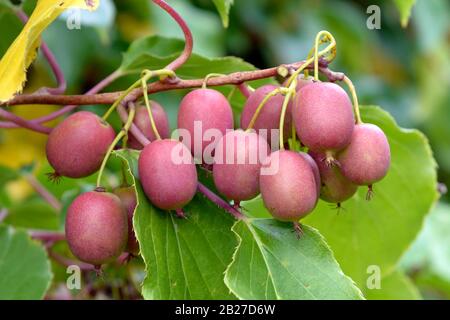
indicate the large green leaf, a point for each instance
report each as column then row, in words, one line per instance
column 429, row 256
column 155, row 52
column 24, row 268
column 185, row 259
column 223, row 6
column 395, row 286
column 378, row 232
column 271, row 263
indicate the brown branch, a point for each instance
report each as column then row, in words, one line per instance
column 235, row 78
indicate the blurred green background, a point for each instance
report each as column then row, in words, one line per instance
column 404, row 70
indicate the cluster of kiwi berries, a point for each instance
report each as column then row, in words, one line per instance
column 342, row 154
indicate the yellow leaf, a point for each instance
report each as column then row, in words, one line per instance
column 23, row 50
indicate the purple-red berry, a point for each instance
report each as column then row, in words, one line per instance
column 168, row 174
column 290, row 192
column 269, row 116
column 237, row 162
column 335, row 188
column 202, row 110
column 77, row 146
column 367, row 158
column 96, row 227
column 323, row 117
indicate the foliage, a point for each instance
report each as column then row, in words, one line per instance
column 210, row 255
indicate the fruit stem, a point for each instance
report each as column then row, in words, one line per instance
column 261, row 105
column 231, row 94
column 352, row 89
column 287, row 98
column 291, row 91
column 120, row 135
column 137, row 133
column 331, row 48
column 121, row 97
column 146, row 75
column 209, row 76
column 149, row 110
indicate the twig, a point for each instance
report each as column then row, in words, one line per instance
column 69, row 262
column 47, row 236
column 189, row 43
column 97, row 88
column 43, row 192
column 219, row 201
column 235, row 78
column 24, row 123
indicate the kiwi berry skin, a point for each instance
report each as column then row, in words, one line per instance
column 291, row 193
column 314, row 168
column 323, row 117
column 128, row 197
column 335, row 187
column 212, row 109
column 142, row 121
column 168, row 185
column 367, row 158
column 76, row 147
column 269, row 116
column 239, row 180
column 96, row 227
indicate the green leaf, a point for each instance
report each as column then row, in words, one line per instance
column 429, row 256
column 379, row 231
column 155, row 52
column 185, row 259
column 396, row 286
column 34, row 214
column 271, row 263
column 24, row 268
column 223, row 6
column 404, row 7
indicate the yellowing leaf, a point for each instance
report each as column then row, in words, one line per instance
column 23, row 50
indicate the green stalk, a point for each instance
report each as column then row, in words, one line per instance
column 260, row 106
column 120, row 135
column 149, row 110
column 352, row 89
